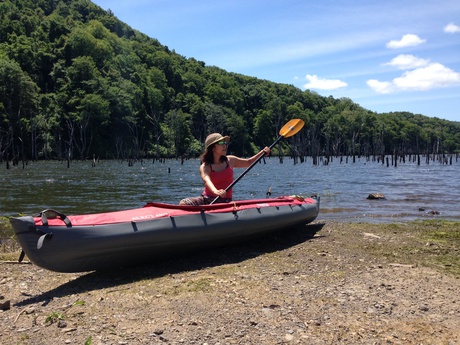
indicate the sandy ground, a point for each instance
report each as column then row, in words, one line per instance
column 324, row 283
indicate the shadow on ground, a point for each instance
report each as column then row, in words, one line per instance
column 231, row 254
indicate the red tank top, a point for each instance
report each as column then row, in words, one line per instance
column 221, row 179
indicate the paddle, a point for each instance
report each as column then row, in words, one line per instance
column 288, row 130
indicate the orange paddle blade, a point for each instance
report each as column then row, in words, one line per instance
column 291, row 128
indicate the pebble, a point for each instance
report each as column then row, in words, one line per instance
column 424, row 308
column 289, row 337
column 68, row 330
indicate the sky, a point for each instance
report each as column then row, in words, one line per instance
column 389, row 55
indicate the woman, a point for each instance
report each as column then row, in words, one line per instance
column 216, row 170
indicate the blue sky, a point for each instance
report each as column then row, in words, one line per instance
column 384, row 55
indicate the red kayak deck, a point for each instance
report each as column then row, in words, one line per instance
column 158, row 210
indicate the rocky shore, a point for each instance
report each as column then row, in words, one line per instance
column 324, row 283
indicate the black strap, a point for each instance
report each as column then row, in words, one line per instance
column 42, row 238
column 21, row 256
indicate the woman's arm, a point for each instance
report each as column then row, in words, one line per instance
column 237, row 162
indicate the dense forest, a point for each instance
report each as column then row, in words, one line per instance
column 77, row 83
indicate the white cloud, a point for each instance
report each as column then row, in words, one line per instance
column 431, row 76
column 383, row 87
column 323, row 84
column 452, row 28
column 407, row 61
column 408, row 40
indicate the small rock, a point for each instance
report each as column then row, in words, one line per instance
column 424, row 308
column 62, row 324
column 268, row 312
column 314, row 322
column 68, row 330
column 376, row 196
column 30, row 310
column 5, row 305
column 289, row 337
column 367, row 234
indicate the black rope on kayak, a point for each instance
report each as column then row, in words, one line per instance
column 57, row 214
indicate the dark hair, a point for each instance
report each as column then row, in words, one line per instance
column 207, row 157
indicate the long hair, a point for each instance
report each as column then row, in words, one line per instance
column 207, row 157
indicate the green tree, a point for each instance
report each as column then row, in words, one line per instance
column 79, row 65
column 177, row 134
column 18, row 100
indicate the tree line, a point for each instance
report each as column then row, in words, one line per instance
column 77, row 83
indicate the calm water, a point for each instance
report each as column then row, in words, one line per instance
column 343, row 187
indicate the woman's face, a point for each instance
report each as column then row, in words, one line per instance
column 220, row 148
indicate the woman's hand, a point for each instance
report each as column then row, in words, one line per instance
column 221, row 192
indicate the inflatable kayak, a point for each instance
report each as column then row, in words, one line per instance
column 104, row 241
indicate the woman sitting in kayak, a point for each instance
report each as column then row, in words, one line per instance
column 216, row 170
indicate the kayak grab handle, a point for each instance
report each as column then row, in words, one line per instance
column 56, row 214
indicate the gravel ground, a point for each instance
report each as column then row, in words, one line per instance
column 324, row 283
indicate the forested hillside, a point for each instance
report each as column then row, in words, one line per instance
column 77, row 82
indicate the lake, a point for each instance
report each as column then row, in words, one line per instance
column 426, row 191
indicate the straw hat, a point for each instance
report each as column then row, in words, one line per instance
column 214, row 138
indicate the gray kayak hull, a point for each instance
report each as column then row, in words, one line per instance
column 78, row 248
